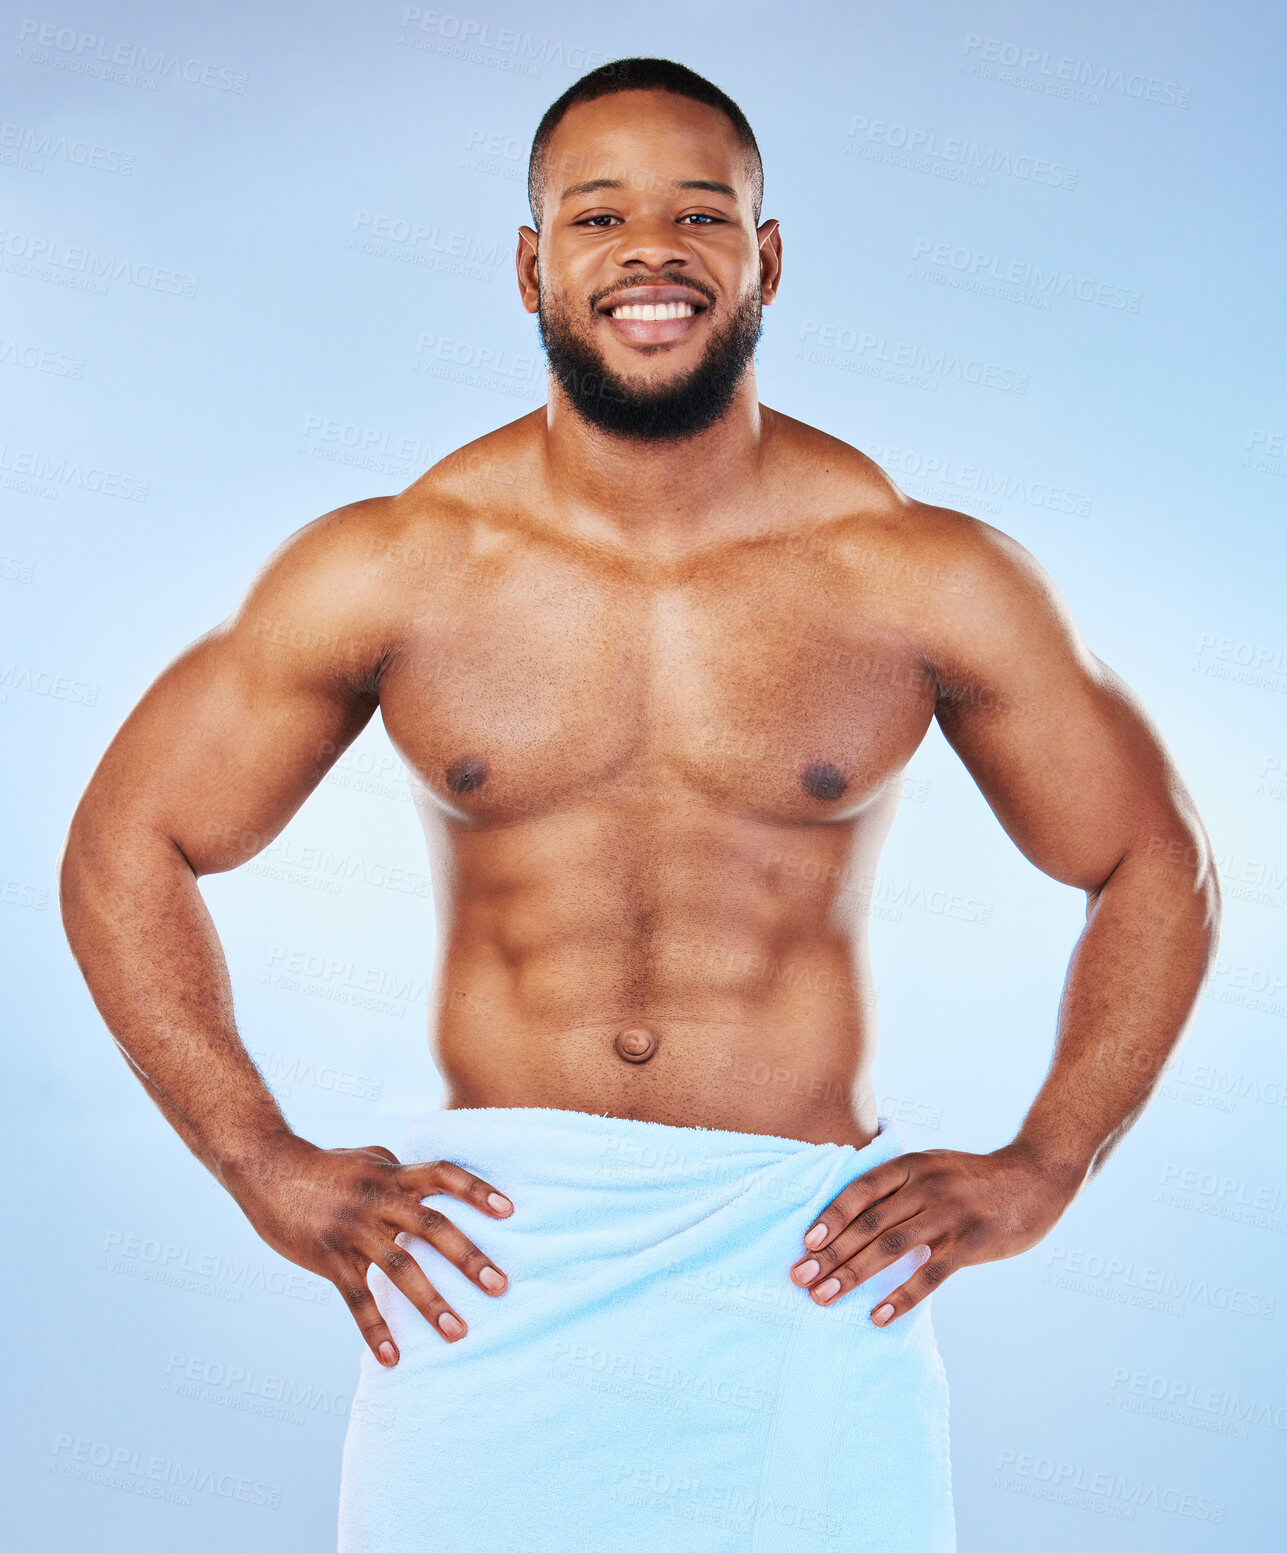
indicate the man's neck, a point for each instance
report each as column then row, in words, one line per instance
column 664, row 494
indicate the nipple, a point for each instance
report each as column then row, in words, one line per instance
column 636, row 1044
column 464, row 775
column 823, row 781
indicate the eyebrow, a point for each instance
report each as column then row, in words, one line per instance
column 593, row 185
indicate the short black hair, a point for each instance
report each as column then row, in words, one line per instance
column 640, row 75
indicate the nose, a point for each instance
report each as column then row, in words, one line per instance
column 650, row 243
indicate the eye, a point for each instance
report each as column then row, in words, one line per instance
column 596, row 221
column 701, row 215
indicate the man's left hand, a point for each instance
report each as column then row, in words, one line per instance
column 954, row 1210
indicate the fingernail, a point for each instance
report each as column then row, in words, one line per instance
column 388, row 1354
column 883, row 1315
column 491, row 1280
column 824, row 1291
column 501, row 1204
column 453, row 1326
column 807, row 1272
column 816, row 1236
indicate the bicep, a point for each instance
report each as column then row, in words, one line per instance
column 1057, row 743
column 222, row 750
column 229, row 741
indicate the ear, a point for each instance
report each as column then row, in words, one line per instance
column 769, row 237
column 525, row 264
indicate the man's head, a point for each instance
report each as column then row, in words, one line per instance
column 645, row 185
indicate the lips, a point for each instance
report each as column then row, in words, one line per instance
column 653, row 315
column 650, row 303
column 648, row 312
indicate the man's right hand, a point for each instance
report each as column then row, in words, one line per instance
column 337, row 1211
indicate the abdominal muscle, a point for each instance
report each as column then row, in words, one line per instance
column 742, row 1005
column 733, row 1076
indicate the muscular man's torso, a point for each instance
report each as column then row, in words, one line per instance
column 655, row 774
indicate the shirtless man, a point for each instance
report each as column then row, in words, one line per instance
column 652, row 654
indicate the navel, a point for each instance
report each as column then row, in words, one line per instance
column 467, row 773
column 636, row 1044
column 823, row 781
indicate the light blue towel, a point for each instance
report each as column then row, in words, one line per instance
column 651, row 1379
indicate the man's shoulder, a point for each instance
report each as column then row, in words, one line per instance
column 859, row 512
column 361, row 541
column 473, row 478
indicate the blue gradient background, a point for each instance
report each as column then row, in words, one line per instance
column 298, row 378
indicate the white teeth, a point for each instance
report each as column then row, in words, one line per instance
column 650, row 313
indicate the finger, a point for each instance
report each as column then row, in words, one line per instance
column 350, row 1279
column 877, row 1237
column 405, row 1273
column 928, row 1277
column 857, row 1197
column 445, row 1237
column 913, row 1237
column 441, row 1176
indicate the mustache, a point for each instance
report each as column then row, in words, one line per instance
column 626, row 408
column 631, row 283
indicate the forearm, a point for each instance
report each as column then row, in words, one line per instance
column 1133, row 982
column 150, row 955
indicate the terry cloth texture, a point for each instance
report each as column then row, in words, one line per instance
column 651, row 1379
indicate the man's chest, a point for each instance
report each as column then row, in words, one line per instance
column 764, row 684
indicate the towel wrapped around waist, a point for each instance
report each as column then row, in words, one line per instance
column 651, row 1379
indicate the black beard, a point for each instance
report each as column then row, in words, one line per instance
column 623, row 408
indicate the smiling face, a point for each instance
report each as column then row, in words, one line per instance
column 649, row 272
